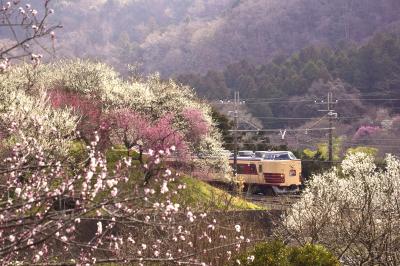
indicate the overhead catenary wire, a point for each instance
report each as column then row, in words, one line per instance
column 278, row 130
column 303, row 118
column 269, row 101
column 364, row 94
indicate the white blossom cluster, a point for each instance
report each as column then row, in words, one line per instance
column 352, row 210
column 33, row 116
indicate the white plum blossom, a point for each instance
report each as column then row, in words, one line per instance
column 250, row 258
column 237, row 228
column 168, row 172
column 18, row 191
column 190, row 216
column 114, row 192
column 11, row 238
column 164, row 187
column 99, row 228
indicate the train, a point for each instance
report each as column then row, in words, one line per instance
column 268, row 172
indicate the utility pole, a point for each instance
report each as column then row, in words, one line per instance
column 331, row 114
column 330, row 132
column 235, row 132
column 236, row 103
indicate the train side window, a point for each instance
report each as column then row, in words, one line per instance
column 260, row 170
column 247, row 169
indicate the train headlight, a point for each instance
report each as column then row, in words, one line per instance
column 292, row 172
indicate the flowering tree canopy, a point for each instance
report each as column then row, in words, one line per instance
column 353, row 211
column 87, row 90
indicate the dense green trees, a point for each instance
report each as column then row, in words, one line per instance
column 372, row 68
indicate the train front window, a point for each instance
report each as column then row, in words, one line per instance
column 259, row 154
column 282, row 156
column 245, row 154
column 269, row 156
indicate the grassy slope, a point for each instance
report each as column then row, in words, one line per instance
column 197, row 194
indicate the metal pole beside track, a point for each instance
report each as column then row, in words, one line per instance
column 235, row 137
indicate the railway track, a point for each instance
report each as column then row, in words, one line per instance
column 277, row 202
column 281, row 202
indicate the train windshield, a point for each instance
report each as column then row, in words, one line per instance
column 260, row 154
column 279, row 156
column 245, row 154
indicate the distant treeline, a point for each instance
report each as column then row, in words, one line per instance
column 372, row 69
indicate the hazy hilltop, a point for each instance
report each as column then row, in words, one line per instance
column 126, row 32
column 174, row 36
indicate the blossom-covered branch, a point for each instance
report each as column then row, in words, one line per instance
column 25, row 26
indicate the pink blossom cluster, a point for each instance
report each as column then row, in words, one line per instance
column 366, row 131
column 197, row 126
column 89, row 111
column 134, row 130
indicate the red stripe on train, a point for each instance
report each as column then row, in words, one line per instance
column 274, row 178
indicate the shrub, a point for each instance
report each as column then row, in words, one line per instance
column 276, row 253
column 268, row 253
column 315, row 255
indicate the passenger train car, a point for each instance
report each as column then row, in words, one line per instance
column 269, row 171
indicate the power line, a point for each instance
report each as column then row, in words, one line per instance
column 368, row 99
column 278, row 130
column 304, row 118
column 374, row 93
column 286, row 100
